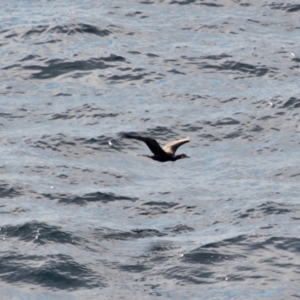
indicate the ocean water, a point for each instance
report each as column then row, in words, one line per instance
column 84, row 215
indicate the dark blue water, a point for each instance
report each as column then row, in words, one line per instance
column 84, row 215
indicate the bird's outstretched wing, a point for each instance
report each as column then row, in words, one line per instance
column 151, row 143
column 171, row 147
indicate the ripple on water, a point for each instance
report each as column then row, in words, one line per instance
column 90, row 197
column 40, row 233
column 56, row 271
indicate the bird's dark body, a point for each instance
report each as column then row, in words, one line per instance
column 165, row 157
column 167, row 153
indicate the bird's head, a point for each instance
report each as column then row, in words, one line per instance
column 180, row 156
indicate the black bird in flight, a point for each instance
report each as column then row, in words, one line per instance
column 167, row 153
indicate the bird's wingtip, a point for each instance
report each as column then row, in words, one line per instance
column 130, row 136
column 126, row 136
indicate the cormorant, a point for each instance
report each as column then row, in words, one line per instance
column 167, row 153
